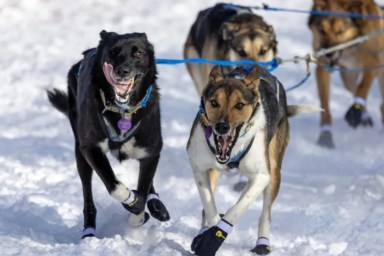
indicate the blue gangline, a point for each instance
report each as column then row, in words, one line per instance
column 321, row 13
column 272, row 65
column 351, row 70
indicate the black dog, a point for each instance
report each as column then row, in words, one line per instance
column 113, row 105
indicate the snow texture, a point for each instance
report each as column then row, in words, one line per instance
column 330, row 203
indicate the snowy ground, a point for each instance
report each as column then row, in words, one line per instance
column 330, row 203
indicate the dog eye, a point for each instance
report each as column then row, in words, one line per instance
column 239, row 106
column 214, row 103
column 114, row 52
column 262, row 51
column 242, row 53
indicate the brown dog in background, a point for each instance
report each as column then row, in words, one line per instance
column 227, row 32
column 328, row 31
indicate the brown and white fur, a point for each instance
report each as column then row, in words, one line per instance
column 227, row 32
column 246, row 111
column 328, row 31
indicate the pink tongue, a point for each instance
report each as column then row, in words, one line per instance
column 107, row 69
column 224, row 145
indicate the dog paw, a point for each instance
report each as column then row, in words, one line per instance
column 208, row 242
column 354, row 115
column 135, row 203
column 196, row 241
column 325, row 140
column 157, row 209
column 239, row 186
column 138, row 220
column 262, row 246
column 261, row 249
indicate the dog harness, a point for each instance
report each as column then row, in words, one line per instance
column 115, row 141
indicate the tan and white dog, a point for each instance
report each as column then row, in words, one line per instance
column 242, row 123
column 227, row 32
column 328, row 31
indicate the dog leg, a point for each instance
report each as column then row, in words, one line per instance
column 147, row 172
column 323, row 88
column 277, row 148
column 205, row 188
column 381, row 84
column 209, row 240
column 354, row 115
column 350, row 80
column 89, row 211
column 132, row 201
column 214, row 176
column 195, row 68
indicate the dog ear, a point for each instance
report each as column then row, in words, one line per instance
column 252, row 79
column 142, row 36
column 104, row 34
column 320, row 5
column 365, row 7
column 216, row 74
column 227, row 30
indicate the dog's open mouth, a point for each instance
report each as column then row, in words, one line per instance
column 122, row 87
column 225, row 143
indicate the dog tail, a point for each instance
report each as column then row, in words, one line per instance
column 294, row 110
column 59, row 100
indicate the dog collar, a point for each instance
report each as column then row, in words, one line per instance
column 234, row 162
column 115, row 140
column 126, row 112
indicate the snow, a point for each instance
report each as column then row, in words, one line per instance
column 330, row 203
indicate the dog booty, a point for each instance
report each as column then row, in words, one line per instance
column 262, row 246
column 156, row 208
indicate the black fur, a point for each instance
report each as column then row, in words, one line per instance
column 84, row 107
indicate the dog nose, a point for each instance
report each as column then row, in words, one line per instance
column 122, row 71
column 222, row 127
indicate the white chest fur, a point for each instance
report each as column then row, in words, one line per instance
column 129, row 148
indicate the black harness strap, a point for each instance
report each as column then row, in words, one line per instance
column 115, row 141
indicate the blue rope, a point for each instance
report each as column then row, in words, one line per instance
column 299, row 83
column 321, row 13
column 272, row 65
column 351, row 70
